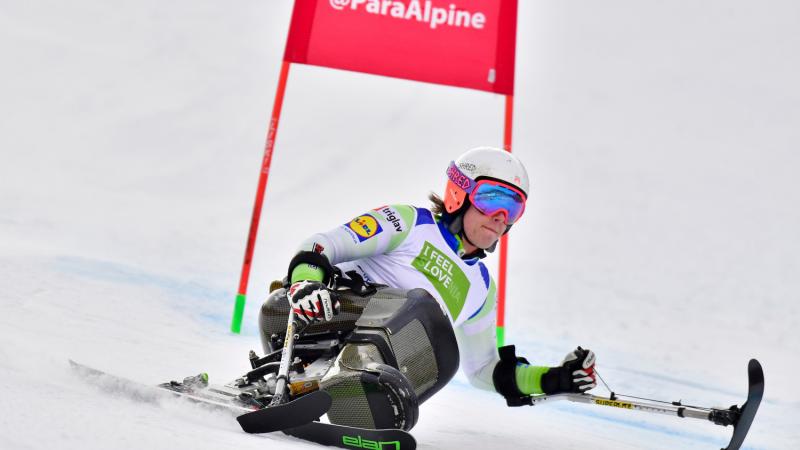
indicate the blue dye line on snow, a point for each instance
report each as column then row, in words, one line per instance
column 707, row 387
column 120, row 273
column 692, row 384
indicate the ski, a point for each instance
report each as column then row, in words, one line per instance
column 302, row 410
column 215, row 397
column 295, row 418
column 253, row 415
column 353, row 437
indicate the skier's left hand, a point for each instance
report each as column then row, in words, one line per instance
column 575, row 374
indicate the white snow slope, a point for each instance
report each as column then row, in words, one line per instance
column 662, row 231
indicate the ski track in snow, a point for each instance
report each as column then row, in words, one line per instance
column 661, row 231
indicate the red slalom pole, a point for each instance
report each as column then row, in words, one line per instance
column 501, row 278
column 238, row 309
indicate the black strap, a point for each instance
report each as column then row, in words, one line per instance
column 356, row 283
column 505, row 377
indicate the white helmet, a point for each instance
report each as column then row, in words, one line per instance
column 483, row 163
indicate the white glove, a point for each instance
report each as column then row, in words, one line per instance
column 312, row 301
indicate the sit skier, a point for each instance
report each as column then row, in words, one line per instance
column 435, row 305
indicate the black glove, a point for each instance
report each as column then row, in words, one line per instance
column 575, row 374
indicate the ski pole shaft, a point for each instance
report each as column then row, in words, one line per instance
column 680, row 411
column 286, row 361
column 671, row 410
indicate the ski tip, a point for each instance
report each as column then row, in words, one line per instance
column 299, row 411
column 755, row 366
column 747, row 412
column 755, row 373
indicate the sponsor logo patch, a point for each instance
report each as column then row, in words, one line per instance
column 445, row 275
column 469, row 167
column 458, row 178
column 364, row 227
column 391, row 216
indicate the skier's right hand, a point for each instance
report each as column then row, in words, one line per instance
column 312, row 301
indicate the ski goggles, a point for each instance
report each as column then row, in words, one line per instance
column 487, row 195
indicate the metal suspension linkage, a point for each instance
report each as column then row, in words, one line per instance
column 284, row 412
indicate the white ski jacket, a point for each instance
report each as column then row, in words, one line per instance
column 406, row 247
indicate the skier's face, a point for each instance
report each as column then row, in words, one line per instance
column 483, row 230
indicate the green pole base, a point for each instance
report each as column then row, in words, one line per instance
column 501, row 336
column 238, row 312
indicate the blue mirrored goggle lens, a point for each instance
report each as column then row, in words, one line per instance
column 489, row 199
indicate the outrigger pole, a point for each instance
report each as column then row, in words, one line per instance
column 740, row 417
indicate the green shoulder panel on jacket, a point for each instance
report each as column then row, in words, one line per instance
column 398, row 219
